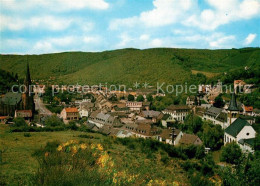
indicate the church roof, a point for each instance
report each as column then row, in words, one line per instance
column 236, row 127
column 12, row 98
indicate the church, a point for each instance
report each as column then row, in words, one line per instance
column 19, row 102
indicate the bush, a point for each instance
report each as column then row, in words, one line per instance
column 19, row 122
column 231, row 153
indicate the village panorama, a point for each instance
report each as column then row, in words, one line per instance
column 154, row 92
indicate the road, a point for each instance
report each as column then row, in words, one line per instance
column 41, row 107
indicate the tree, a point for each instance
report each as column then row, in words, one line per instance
column 140, row 98
column 231, row 153
column 130, row 97
column 20, row 122
column 212, row 135
column 53, row 121
column 149, row 98
column 219, row 103
column 193, row 123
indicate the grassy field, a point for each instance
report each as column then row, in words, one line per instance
column 18, row 164
column 130, row 65
column 207, row 74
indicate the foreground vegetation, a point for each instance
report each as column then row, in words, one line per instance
column 78, row 158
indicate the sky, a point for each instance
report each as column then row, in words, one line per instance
column 49, row 26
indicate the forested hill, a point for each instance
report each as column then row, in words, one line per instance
column 130, row 65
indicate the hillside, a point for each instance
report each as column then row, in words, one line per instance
column 131, row 65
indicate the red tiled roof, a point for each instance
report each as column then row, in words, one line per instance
column 3, row 117
column 24, row 111
column 239, row 81
column 248, row 109
column 71, row 109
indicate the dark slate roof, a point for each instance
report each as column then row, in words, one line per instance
column 249, row 141
column 236, row 127
column 233, row 103
column 213, row 111
column 222, row 117
column 166, row 116
column 11, row 98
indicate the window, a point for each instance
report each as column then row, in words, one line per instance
column 247, row 134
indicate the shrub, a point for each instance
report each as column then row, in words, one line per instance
column 19, row 122
column 231, row 153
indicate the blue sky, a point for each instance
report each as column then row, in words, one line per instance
column 47, row 26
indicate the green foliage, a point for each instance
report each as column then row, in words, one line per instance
column 251, row 99
column 149, row 98
column 130, row 65
column 192, row 123
column 72, row 125
column 231, row 153
column 140, row 98
column 219, row 103
column 211, row 135
column 20, row 122
column 130, row 97
column 53, row 121
column 7, row 80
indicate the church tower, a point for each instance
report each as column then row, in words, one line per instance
column 28, row 101
column 233, row 111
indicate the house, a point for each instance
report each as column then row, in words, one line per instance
column 69, row 114
column 247, row 145
column 167, row 118
column 192, row 100
column 134, row 106
column 146, row 131
column 238, row 86
column 26, row 114
column 217, row 116
column 146, row 105
column 3, row 119
column 167, row 136
column 155, row 116
column 177, row 112
column 248, row 110
column 100, row 119
column 189, row 139
column 86, row 108
column 239, row 129
column 124, row 134
column 9, row 103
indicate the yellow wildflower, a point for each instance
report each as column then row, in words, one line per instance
column 59, row 148
column 99, row 146
column 83, row 146
column 74, row 149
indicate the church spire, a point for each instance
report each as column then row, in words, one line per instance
column 233, row 103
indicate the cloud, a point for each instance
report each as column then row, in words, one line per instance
column 249, row 39
column 222, row 42
column 45, row 22
column 165, row 12
column 188, row 13
column 156, row 43
column 144, row 37
column 53, row 23
column 92, row 39
column 223, row 12
column 54, row 5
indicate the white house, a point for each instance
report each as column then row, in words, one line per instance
column 239, row 130
column 177, row 112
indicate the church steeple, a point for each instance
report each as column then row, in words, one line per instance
column 233, row 111
column 233, row 103
column 28, row 101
